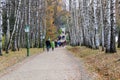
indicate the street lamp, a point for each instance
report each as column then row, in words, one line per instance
column 0, row 42
column 43, row 37
column 27, row 30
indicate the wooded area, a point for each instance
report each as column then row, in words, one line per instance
column 94, row 22
column 91, row 23
column 39, row 15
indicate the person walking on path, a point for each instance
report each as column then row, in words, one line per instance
column 56, row 44
column 52, row 45
column 48, row 45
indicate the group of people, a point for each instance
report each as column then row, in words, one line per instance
column 60, row 41
column 50, row 44
column 54, row 44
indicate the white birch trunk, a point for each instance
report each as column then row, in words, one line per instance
column 96, row 24
column 7, row 37
column 15, row 25
column 102, row 24
column 108, row 25
column 113, row 27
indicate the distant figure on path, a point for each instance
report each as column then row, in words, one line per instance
column 53, row 45
column 48, row 45
column 56, row 44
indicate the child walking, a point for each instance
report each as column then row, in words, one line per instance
column 52, row 45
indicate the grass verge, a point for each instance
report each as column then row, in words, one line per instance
column 12, row 58
column 105, row 65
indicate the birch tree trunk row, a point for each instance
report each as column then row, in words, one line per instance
column 92, row 23
column 17, row 15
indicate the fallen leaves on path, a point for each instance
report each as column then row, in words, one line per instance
column 106, row 65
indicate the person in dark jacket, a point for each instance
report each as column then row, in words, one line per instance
column 48, row 44
column 56, row 45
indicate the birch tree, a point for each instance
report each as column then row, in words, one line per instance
column 118, row 16
column 102, row 24
column 14, row 28
column 113, row 26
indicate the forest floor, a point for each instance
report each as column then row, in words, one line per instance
column 59, row 64
column 107, row 66
column 8, row 60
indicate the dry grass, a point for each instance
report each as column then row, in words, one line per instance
column 106, row 65
column 12, row 58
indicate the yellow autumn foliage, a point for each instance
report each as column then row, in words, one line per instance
column 52, row 9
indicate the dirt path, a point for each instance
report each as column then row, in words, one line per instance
column 53, row 65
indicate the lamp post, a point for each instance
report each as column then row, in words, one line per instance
column 27, row 29
column 0, row 42
column 43, row 42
